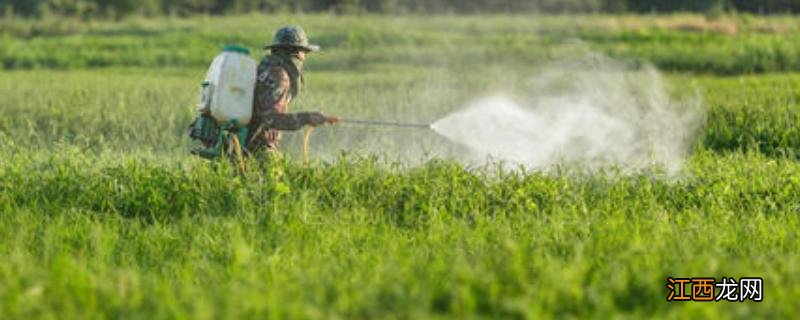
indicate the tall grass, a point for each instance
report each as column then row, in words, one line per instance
column 148, row 111
column 358, row 238
column 104, row 214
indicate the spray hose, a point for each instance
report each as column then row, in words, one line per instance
column 306, row 137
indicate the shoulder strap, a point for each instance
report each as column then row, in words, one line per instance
column 295, row 78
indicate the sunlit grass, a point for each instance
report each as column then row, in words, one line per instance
column 103, row 213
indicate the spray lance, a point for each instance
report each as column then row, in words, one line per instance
column 385, row 123
column 362, row 122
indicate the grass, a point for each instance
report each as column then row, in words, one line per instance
column 358, row 239
column 103, row 214
column 734, row 45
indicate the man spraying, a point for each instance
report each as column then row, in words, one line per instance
column 279, row 80
column 244, row 106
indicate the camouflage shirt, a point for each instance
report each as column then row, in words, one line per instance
column 272, row 95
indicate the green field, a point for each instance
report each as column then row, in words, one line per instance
column 104, row 214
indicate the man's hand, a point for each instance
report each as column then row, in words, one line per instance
column 318, row 119
column 331, row 119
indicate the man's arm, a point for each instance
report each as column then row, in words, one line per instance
column 294, row 121
column 272, row 102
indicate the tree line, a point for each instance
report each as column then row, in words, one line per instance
column 122, row 8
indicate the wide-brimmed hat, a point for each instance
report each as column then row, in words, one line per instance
column 291, row 37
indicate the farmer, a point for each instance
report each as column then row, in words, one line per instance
column 279, row 80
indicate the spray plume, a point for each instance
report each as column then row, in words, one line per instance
column 592, row 112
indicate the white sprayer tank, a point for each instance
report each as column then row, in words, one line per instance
column 227, row 92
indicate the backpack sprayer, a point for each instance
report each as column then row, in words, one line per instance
column 226, row 104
